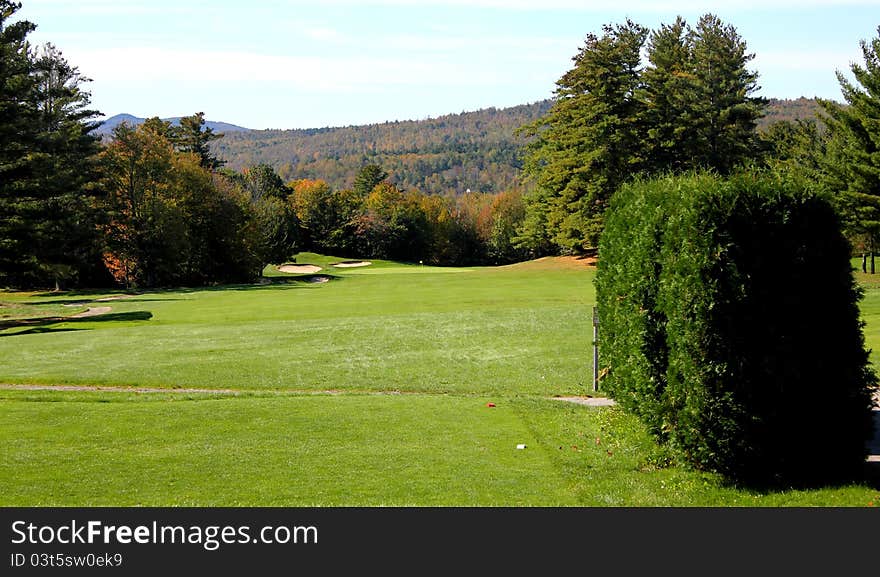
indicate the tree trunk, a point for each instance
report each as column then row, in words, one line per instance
column 864, row 262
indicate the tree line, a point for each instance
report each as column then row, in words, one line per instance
column 377, row 219
column 691, row 107
column 155, row 205
column 149, row 209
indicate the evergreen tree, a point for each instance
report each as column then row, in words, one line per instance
column 588, row 144
column 723, row 112
column 691, row 107
column 47, row 163
column 667, row 94
column 17, row 142
column 796, row 146
column 66, row 241
column 161, row 127
column 852, row 163
column 191, row 135
column 367, row 179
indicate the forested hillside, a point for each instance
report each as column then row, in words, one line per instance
column 472, row 150
column 791, row 110
column 453, row 153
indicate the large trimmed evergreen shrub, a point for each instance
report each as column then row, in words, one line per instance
column 730, row 325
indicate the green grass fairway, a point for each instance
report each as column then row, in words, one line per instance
column 870, row 307
column 120, row 449
column 517, row 331
column 370, row 389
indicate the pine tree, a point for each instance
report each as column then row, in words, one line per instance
column 191, row 135
column 691, row 107
column 367, row 179
column 724, row 115
column 588, row 144
column 17, row 143
column 852, row 163
column 667, row 95
column 65, row 233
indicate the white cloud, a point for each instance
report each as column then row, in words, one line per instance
column 305, row 73
column 323, row 34
column 116, row 7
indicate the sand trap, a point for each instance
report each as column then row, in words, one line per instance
column 351, row 264
column 299, row 268
column 92, row 312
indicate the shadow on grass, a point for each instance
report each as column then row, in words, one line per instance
column 41, row 324
column 90, row 292
column 83, row 296
column 41, row 331
column 872, row 467
column 94, row 301
column 867, row 475
column 270, row 283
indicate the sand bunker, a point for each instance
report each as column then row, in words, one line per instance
column 92, row 312
column 351, row 264
column 299, row 268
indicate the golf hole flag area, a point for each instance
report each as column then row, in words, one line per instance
column 388, row 385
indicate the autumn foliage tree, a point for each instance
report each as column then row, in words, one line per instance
column 146, row 230
column 172, row 221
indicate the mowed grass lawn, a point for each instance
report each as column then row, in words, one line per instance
column 519, row 330
column 370, row 389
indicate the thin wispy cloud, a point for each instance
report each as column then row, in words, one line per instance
column 351, row 60
column 647, row 6
column 307, row 73
column 117, row 7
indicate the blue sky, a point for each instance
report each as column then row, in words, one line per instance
column 300, row 64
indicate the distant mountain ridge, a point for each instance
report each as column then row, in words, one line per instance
column 110, row 123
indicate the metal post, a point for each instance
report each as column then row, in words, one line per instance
column 595, row 349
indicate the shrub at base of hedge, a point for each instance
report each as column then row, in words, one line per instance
column 730, row 326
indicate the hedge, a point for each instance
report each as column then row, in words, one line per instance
column 730, row 326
